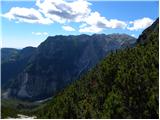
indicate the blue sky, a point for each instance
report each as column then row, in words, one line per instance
column 29, row 23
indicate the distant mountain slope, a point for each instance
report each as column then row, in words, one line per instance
column 61, row 59
column 8, row 54
column 13, row 62
column 123, row 85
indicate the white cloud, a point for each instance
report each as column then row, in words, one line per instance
column 61, row 11
column 28, row 15
column 114, row 23
column 77, row 11
column 40, row 33
column 91, row 29
column 96, row 23
column 68, row 28
column 64, row 12
column 140, row 24
column 96, row 19
column 93, row 18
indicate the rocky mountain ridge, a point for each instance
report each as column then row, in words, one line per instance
column 58, row 61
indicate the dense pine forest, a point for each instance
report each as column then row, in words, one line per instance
column 123, row 85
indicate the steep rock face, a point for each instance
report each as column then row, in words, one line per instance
column 61, row 59
column 13, row 62
column 9, row 54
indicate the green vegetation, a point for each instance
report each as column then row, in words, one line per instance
column 12, row 107
column 8, row 112
column 124, row 85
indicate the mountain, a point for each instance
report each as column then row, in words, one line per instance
column 13, row 62
column 123, row 85
column 9, row 54
column 57, row 62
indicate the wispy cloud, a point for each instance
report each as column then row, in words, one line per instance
column 91, row 29
column 40, row 33
column 28, row 15
column 68, row 28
